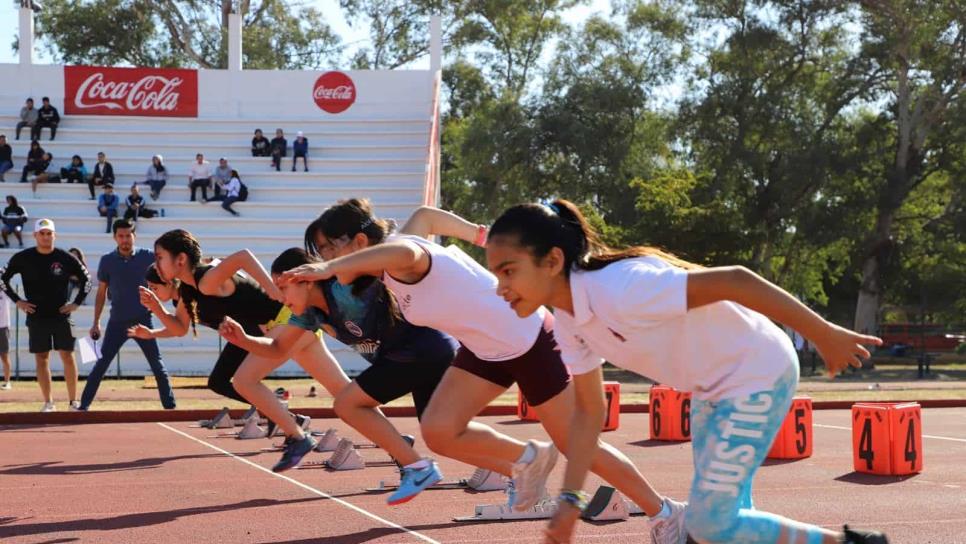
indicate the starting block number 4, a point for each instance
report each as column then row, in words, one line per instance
column 794, row 438
column 612, row 396
column 887, row 438
column 670, row 414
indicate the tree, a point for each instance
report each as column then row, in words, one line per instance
column 767, row 127
column 922, row 48
column 184, row 33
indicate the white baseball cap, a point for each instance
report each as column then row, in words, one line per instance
column 300, row 133
column 44, row 224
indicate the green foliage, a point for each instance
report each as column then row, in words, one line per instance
column 820, row 143
column 277, row 34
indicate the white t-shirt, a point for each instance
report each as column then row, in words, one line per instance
column 4, row 311
column 458, row 296
column 633, row 313
column 199, row 171
column 233, row 187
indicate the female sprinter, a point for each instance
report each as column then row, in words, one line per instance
column 704, row 330
column 207, row 294
column 404, row 358
column 443, row 288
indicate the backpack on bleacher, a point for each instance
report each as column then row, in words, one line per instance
column 242, row 192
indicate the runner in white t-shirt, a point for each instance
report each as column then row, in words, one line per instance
column 5, row 339
column 701, row 330
column 444, row 289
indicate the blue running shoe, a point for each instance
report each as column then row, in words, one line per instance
column 413, row 481
column 294, row 452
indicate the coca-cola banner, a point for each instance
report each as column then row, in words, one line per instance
column 155, row 92
column 334, row 92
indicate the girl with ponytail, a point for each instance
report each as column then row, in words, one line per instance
column 704, row 330
column 210, row 293
column 444, row 289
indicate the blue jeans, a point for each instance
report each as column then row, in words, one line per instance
column 226, row 202
column 114, row 337
column 731, row 438
column 157, row 185
column 111, row 215
column 5, row 166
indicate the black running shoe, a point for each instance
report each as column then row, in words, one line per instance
column 294, row 452
column 864, row 537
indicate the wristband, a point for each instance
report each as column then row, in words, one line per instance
column 576, row 498
column 481, row 231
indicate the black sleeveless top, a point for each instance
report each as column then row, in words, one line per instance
column 249, row 305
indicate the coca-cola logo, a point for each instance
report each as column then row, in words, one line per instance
column 334, row 92
column 148, row 93
column 92, row 90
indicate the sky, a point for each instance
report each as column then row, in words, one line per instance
column 9, row 21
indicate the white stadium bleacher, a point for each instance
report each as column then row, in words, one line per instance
column 377, row 149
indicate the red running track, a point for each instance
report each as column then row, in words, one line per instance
column 151, row 482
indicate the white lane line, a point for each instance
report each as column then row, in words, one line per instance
column 308, row 488
column 951, row 439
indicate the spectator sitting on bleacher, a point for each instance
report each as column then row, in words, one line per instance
column 6, row 156
column 221, row 176
column 107, row 205
column 231, row 194
column 34, row 159
column 14, row 218
column 48, row 117
column 199, row 176
column 135, row 206
column 261, row 147
column 41, row 175
column 279, row 145
column 75, row 172
column 157, row 176
column 300, row 148
column 28, row 118
column 103, row 174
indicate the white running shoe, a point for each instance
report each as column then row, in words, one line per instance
column 49, row 407
column 74, row 406
column 670, row 529
column 530, row 479
column 6, row 386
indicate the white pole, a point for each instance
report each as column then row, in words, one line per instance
column 26, row 45
column 234, row 42
column 435, row 43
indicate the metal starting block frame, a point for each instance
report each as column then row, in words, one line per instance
column 481, row 480
column 221, row 421
column 607, row 504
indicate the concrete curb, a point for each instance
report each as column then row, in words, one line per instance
column 148, row 416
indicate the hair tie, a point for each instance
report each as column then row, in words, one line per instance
column 365, row 224
column 553, row 208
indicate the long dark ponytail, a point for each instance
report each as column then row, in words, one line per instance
column 541, row 228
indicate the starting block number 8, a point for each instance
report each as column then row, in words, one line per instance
column 887, row 438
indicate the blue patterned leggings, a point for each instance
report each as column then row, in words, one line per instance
column 731, row 438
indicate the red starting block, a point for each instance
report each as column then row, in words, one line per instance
column 887, row 438
column 612, row 395
column 794, row 438
column 670, row 413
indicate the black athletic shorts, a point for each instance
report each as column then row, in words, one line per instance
column 386, row 381
column 48, row 333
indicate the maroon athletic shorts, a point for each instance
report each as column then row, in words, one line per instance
column 540, row 372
